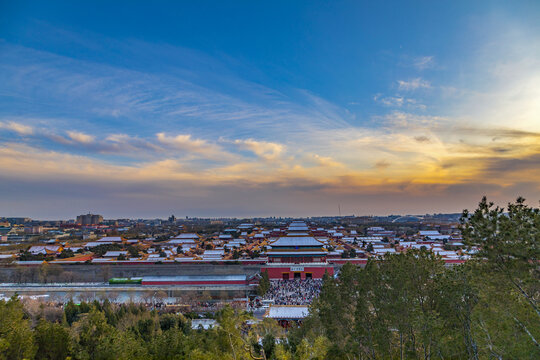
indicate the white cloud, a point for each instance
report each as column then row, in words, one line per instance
column 424, row 62
column 185, row 142
column 413, row 84
column 392, row 101
column 167, row 102
column 19, row 128
column 81, row 137
column 398, row 102
column 264, row 149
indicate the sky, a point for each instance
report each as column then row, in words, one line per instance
column 283, row 108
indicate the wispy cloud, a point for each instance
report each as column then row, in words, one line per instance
column 20, row 129
column 160, row 102
column 424, row 62
column 413, row 84
column 187, row 143
column 392, row 101
column 80, row 137
column 166, row 134
column 264, row 149
column 399, row 102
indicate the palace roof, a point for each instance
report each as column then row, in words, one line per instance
column 296, row 241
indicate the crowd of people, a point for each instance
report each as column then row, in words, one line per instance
column 293, row 292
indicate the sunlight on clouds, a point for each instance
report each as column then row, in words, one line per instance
column 485, row 133
column 20, row 129
column 80, row 137
column 264, row 149
column 186, row 143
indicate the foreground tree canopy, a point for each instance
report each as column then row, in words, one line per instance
column 408, row 306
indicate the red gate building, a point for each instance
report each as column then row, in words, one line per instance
column 297, row 257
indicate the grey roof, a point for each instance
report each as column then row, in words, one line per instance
column 187, row 236
column 111, row 239
column 297, row 234
column 287, row 312
column 181, row 241
column 298, row 253
column 296, row 241
column 298, row 228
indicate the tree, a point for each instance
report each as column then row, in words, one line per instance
column 264, row 283
column 16, row 337
column 229, row 332
column 510, row 242
column 133, row 251
column 100, row 250
column 53, row 341
column 507, row 245
column 369, row 248
column 170, row 344
column 66, row 253
column 389, row 309
column 92, row 333
column 315, row 350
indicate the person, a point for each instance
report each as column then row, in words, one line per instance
column 293, row 292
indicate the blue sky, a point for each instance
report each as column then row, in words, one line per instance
column 283, row 108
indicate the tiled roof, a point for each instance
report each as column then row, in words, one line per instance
column 287, row 312
column 296, row 241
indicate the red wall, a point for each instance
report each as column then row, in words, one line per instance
column 317, row 272
column 196, row 283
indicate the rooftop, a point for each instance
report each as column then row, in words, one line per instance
column 287, row 312
column 296, row 241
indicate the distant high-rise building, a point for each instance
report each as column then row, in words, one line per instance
column 33, row 229
column 89, row 219
column 18, row 220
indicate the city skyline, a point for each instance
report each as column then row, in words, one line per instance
column 247, row 110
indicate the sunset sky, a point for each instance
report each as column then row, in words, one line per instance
column 280, row 108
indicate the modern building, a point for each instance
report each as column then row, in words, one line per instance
column 89, row 219
column 35, row 229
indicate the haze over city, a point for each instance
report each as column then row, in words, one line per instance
column 267, row 109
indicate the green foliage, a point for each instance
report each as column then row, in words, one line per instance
column 100, row 250
column 28, row 256
column 264, row 283
column 66, row 253
column 16, row 336
column 133, row 251
column 369, row 248
column 509, row 242
column 53, row 341
column 508, row 246
column 411, row 306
